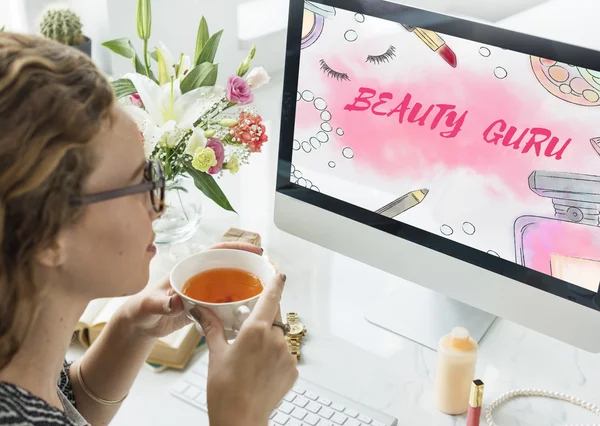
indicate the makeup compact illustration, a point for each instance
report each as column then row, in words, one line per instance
column 566, row 246
column 314, row 21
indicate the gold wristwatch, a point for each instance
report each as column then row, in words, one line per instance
column 295, row 335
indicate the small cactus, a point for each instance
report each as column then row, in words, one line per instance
column 63, row 26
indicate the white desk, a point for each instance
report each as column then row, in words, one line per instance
column 350, row 356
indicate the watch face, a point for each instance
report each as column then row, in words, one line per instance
column 296, row 329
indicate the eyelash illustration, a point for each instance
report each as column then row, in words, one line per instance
column 340, row 76
column 386, row 57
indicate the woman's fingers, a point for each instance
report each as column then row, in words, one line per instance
column 238, row 245
column 267, row 306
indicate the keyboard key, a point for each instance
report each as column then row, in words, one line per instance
column 286, row 407
column 339, row 419
column 311, row 395
column 281, row 419
column 364, row 419
column 311, row 419
column 326, row 413
column 294, row 422
column 324, row 401
column 352, row 422
column 325, row 423
column 201, row 369
column 289, row 397
column 299, row 413
column 201, row 398
column 180, row 387
column 299, row 391
column 195, row 380
column 300, row 401
column 338, row 407
column 192, row 392
column 273, row 414
column 351, row 413
column 313, row 407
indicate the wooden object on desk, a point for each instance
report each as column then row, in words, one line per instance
column 235, row 234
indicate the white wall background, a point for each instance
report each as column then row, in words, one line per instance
column 175, row 22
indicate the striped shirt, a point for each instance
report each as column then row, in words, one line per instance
column 19, row 407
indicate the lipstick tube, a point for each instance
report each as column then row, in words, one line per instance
column 475, row 403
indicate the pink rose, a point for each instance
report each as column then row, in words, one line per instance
column 238, row 91
column 216, row 145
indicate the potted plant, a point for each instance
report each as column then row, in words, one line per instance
column 64, row 26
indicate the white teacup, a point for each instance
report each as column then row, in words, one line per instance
column 233, row 314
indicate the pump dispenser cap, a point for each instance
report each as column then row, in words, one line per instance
column 459, row 339
column 460, row 333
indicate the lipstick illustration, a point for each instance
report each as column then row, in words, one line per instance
column 435, row 43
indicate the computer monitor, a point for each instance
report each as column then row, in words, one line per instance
column 461, row 157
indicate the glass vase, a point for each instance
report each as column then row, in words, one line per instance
column 182, row 215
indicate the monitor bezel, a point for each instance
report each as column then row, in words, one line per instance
column 444, row 24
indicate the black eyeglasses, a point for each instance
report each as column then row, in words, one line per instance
column 154, row 184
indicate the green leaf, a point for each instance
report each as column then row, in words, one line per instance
column 123, row 87
column 201, row 76
column 210, row 49
column 177, row 188
column 201, row 39
column 121, row 46
column 124, row 47
column 154, row 55
column 140, row 68
column 209, row 187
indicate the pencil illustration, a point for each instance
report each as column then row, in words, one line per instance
column 435, row 43
column 402, row 204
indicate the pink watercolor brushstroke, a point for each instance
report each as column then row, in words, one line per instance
column 408, row 149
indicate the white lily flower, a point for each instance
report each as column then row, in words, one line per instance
column 197, row 140
column 168, row 58
column 183, row 67
column 166, row 108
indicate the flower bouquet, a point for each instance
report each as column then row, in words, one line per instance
column 194, row 127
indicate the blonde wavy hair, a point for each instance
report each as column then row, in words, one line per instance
column 53, row 101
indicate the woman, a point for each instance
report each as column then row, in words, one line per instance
column 76, row 209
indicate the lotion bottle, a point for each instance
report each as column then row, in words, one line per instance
column 456, row 361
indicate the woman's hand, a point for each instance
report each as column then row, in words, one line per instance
column 157, row 311
column 248, row 378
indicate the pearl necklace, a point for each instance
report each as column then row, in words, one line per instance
column 538, row 392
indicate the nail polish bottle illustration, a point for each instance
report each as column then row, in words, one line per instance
column 566, row 246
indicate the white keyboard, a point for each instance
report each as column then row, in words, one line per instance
column 305, row 405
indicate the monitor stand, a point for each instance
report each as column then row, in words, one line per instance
column 424, row 316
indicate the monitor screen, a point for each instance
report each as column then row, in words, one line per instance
column 491, row 148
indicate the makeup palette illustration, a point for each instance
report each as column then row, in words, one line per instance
column 592, row 77
column 575, row 85
column 314, row 20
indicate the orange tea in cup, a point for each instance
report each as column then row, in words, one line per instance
column 222, row 285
